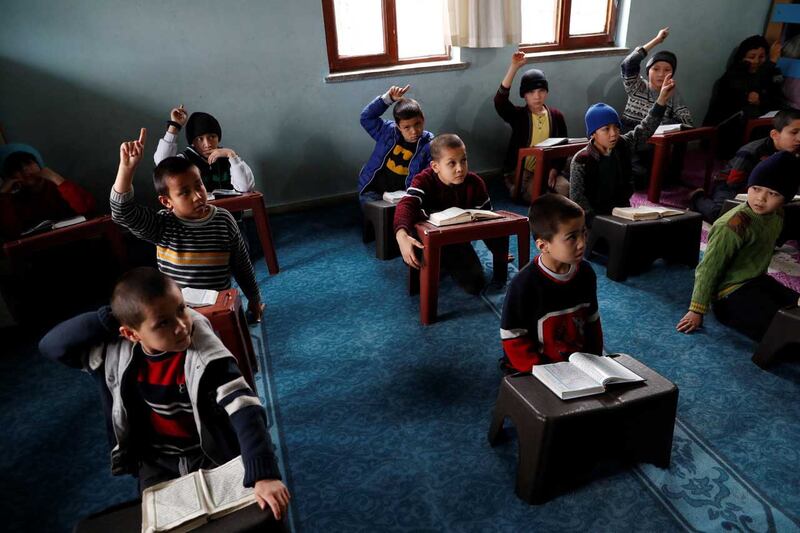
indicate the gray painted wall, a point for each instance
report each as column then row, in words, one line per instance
column 78, row 77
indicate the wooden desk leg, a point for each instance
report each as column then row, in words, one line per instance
column 265, row 236
column 523, row 245
column 500, row 262
column 537, row 185
column 117, row 242
column 657, row 172
column 429, row 284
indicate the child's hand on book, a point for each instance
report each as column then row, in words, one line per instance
column 690, row 322
column 130, row 152
column 407, row 243
column 274, row 493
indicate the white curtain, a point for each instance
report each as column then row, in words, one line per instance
column 483, row 23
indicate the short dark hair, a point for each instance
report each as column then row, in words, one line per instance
column 15, row 161
column 169, row 167
column 406, row 108
column 134, row 290
column 549, row 211
column 784, row 118
column 445, row 141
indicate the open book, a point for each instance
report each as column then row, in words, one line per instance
column 47, row 225
column 184, row 503
column 552, row 141
column 583, row 375
column 670, row 128
column 645, row 212
column 456, row 215
column 769, row 114
column 225, row 192
column 393, row 197
column 199, row 297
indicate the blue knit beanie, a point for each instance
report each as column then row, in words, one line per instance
column 598, row 116
column 779, row 172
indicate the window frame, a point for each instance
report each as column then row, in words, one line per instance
column 389, row 58
column 563, row 41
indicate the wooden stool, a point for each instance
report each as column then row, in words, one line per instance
column 560, row 441
column 379, row 225
column 783, row 331
column 635, row 244
column 426, row 279
column 230, row 324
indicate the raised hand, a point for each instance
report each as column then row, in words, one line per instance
column 667, row 88
column 179, row 115
column 396, row 93
column 518, row 60
column 663, row 33
column 131, row 152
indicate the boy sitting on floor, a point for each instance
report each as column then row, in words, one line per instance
column 600, row 174
column 172, row 392
column 784, row 135
column 446, row 183
column 32, row 192
column 197, row 244
column 220, row 168
column 732, row 277
column 402, row 148
column 530, row 124
column 550, row 310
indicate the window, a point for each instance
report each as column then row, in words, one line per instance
column 567, row 24
column 379, row 33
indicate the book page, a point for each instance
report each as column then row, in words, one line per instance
column 393, row 197
column 223, row 487
column 551, row 141
column 478, row 214
column 667, row 128
column 199, row 297
column 566, row 380
column 449, row 215
column 603, row 369
column 172, row 503
column 665, row 211
column 69, row 222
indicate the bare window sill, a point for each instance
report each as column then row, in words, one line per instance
column 561, row 55
column 386, row 72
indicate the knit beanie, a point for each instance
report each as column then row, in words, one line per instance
column 200, row 123
column 662, row 55
column 531, row 80
column 779, row 172
column 598, row 116
column 753, row 42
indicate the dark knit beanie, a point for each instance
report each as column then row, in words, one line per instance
column 662, row 55
column 779, row 172
column 598, row 116
column 531, row 80
column 753, row 42
column 200, row 123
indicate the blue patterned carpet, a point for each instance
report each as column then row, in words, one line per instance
column 381, row 422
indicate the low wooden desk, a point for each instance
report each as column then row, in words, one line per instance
column 632, row 422
column 663, row 145
column 544, row 157
column 94, row 227
column 434, row 237
column 230, row 324
column 255, row 201
column 754, row 124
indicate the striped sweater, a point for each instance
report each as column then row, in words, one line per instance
column 641, row 98
column 195, row 253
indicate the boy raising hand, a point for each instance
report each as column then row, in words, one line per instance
column 197, row 244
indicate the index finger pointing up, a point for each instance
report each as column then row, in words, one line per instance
column 143, row 136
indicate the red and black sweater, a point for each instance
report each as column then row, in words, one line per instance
column 427, row 194
column 548, row 316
